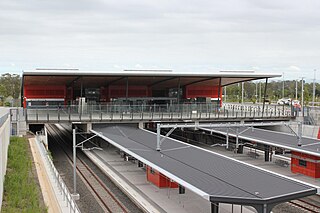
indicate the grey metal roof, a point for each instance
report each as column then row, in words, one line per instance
column 279, row 139
column 211, row 175
column 74, row 72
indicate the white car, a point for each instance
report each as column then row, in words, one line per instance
column 280, row 102
column 284, row 101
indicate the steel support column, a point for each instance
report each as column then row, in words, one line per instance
column 227, row 139
column 214, row 207
column 219, row 94
column 75, row 195
column 74, row 162
column 178, row 94
column 237, row 139
column 266, row 153
column 158, row 138
column 127, row 89
column 264, row 96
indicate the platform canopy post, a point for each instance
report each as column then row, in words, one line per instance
column 75, row 195
column 214, row 207
column 158, row 137
column 237, row 139
column 227, row 139
column 299, row 133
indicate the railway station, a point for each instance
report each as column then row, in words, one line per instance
column 130, row 87
column 124, row 109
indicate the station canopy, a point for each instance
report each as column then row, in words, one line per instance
column 310, row 146
column 211, row 175
column 159, row 79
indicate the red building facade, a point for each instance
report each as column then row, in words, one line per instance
column 305, row 164
column 159, row 179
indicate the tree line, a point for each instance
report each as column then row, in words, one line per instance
column 10, row 85
column 254, row 91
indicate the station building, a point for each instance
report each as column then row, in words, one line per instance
column 48, row 87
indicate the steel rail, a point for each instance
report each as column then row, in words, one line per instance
column 93, row 175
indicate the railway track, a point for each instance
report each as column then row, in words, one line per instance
column 308, row 204
column 107, row 200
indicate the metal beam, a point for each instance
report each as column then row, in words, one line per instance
column 199, row 81
column 299, row 134
column 116, row 80
column 159, row 142
column 219, row 88
column 74, row 80
column 215, row 125
column 161, row 81
column 80, row 144
column 201, row 126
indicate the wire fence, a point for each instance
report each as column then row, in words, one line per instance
column 71, row 204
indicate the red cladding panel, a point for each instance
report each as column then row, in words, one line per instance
column 133, row 91
column 104, row 92
column 202, row 91
column 312, row 168
column 159, row 179
column 45, row 91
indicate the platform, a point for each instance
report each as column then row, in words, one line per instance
column 133, row 180
column 214, row 177
column 278, row 139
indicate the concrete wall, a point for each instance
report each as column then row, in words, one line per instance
column 307, row 130
column 4, row 143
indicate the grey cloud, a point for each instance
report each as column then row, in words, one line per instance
column 205, row 33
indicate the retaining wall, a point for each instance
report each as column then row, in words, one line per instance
column 4, row 143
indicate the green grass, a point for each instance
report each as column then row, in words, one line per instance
column 21, row 191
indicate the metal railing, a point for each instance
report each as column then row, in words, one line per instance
column 312, row 115
column 3, row 119
column 71, row 204
column 110, row 112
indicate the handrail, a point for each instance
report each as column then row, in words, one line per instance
column 116, row 112
column 3, row 118
column 60, row 183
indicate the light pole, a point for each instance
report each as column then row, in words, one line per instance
column 283, row 85
column 260, row 92
column 75, row 194
column 302, row 91
column 256, row 91
column 242, row 91
column 314, row 87
column 296, row 89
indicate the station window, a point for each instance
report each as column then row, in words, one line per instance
column 302, row 163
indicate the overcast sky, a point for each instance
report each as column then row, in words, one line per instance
column 277, row 36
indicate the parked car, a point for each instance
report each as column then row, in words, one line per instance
column 280, row 102
column 284, row 101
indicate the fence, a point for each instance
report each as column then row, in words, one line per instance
column 4, row 143
column 96, row 113
column 71, row 204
